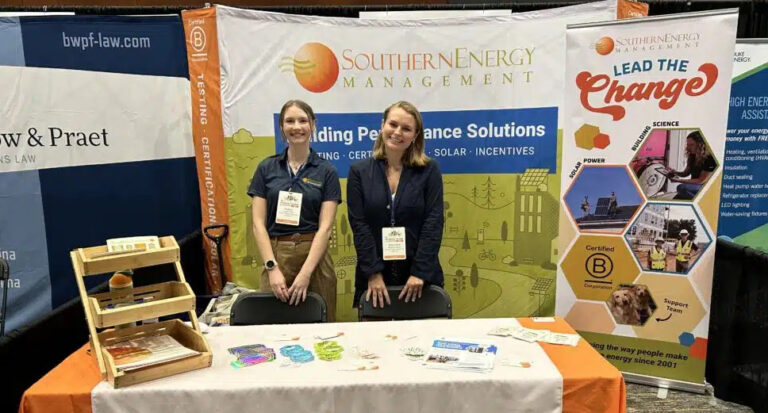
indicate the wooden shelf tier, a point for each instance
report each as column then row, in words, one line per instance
column 141, row 303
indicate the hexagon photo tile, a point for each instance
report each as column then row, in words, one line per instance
column 631, row 304
column 595, row 266
column 668, row 238
column 602, row 199
column 673, row 164
column 679, row 308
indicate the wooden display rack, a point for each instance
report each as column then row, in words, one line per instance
column 156, row 300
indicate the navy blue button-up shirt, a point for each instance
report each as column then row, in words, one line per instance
column 317, row 180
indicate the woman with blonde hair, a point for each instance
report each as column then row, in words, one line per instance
column 294, row 199
column 395, row 202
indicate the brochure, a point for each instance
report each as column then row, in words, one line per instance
column 461, row 354
column 520, row 333
column 562, row 339
column 146, row 351
column 531, row 335
column 218, row 310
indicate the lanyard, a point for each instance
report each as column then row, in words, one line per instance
column 391, row 207
column 391, row 198
column 294, row 178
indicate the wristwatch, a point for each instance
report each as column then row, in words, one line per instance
column 270, row 265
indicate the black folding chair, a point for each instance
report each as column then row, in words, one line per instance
column 434, row 303
column 265, row 308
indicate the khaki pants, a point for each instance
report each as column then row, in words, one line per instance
column 290, row 257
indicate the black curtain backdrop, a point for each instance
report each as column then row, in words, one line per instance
column 737, row 362
column 753, row 15
column 29, row 352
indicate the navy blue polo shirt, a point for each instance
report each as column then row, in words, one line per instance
column 317, row 180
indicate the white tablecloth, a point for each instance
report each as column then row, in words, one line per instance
column 398, row 386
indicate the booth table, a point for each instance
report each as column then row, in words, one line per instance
column 561, row 378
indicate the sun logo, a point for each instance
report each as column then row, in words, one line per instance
column 314, row 65
column 604, row 46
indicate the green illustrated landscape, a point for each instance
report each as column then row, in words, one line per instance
column 499, row 246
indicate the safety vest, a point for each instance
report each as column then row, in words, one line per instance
column 683, row 251
column 658, row 259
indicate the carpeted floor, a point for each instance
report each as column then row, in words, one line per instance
column 642, row 398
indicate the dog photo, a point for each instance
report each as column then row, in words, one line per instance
column 631, row 304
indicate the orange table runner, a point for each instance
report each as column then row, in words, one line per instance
column 598, row 388
column 66, row 388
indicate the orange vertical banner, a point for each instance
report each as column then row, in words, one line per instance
column 208, row 133
column 627, row 9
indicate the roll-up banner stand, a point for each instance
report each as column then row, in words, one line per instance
column 744, row 203
column 646, row 104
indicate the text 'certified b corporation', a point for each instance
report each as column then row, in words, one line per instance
column 596, row 265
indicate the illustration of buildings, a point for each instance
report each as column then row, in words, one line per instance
column 534, row 227
column 333, row 244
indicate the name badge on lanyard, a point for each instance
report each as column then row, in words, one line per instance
column 393, row 243
column 392, row 238
column 289, row 203
column 288, row 208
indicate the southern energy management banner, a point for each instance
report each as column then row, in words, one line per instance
column 644, row 141
column 744, row 203
column 489, row 89
column 95, row 143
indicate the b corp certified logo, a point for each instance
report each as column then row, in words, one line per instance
column 197, row 38
column 599, row 265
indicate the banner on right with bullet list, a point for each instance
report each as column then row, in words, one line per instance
column 744, row 205
column 646, row 104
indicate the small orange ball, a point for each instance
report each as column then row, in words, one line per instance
column 604, row 46
column 316, row 67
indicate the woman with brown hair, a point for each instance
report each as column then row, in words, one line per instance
column 700, row 166
column 395, row 202
column 294, row 199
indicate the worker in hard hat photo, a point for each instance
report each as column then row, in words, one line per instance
column 685, row 252
column 657, row 256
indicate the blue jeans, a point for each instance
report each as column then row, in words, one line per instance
column 687, row 191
